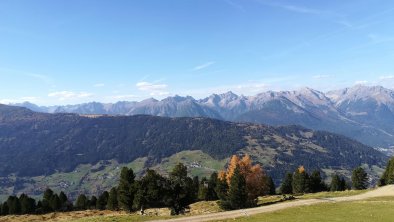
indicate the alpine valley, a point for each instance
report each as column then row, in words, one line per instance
column 81, row 148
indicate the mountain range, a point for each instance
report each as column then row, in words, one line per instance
column 83, row 153
column 361, row 112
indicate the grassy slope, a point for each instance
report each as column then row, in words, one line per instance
column 88, row 179
column 376, row 209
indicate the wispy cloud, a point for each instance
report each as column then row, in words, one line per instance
column 321, row 76
column 97, row 85
column 235, row 5
column 292, row 8
column 154, row 89
column 361, row 82
column 69, row 95
column 389, row 77
column 122, row 97
column 31, row 99
column 204, row 66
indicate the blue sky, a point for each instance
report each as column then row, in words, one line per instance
column 72, row 51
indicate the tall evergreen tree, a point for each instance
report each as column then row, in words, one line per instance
column 93, row 202
column 359, row 179
column 388, row 175
column 126, row 189
column 335, row 183
column 271, row 186
column 286, row 186
column 112, row 200
column 55, row 203
column 221, row 189
column 5, row 209
column 14, row 205
column 316, row 184
column 82, row 202
column 63, row 201
column 300, row 181
column 102, row 201
column 28, row 205
column 182, row 191
column 237, row 194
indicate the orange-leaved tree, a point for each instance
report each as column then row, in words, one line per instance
column 255, row 177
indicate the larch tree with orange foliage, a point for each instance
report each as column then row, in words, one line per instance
column 255, row 178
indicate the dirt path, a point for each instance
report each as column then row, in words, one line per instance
column 380, row 192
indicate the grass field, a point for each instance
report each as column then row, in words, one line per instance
column 375, row 209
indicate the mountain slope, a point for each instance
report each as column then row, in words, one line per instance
column 38, row 145
column 362, row 113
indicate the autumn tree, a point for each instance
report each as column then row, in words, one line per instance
column 255, row 178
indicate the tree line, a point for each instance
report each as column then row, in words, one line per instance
column 237, row 187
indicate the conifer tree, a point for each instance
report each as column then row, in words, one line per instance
column 316, row 184
column 14, row 205
column 93, row 202
column 28, row 205
column 82, row 202
column 237, row 195
column 300, row 181
column 271, row 186
column 102, row 201
column 55, row 203
column 126, row 189
column 63, row 201
column 5, row 209
column 286, row 186
column 182, row 191
column 359, row 179
column 335, row 183
column 113, row 201
column 388, row 175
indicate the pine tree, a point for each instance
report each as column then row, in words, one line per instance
column 14, row 205
column 388, row 175
column 300, row 181
column 5, row 209
column 82, row 202
column 271, row 186
column 286, row 186
column 237, row 195
column 221, row 189
column 182, row 191
column 102, row 201
column 316, row 183
column 113, row 202
column 335, row 183
column 55, row 203
column 63, row 201
column 93, row 202
column 126, row 189
column 28, row 205
column 359, row 179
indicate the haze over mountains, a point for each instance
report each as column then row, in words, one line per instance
column 361, row 112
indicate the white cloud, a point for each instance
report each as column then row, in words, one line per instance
column 122, row 97
column 386, row 77
column 153, row 88
column 31, row 99
column 99, row 85
column 68, row 95
column 147, row 86
column 361, row 82
column 321, row 76
column 204, row 66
